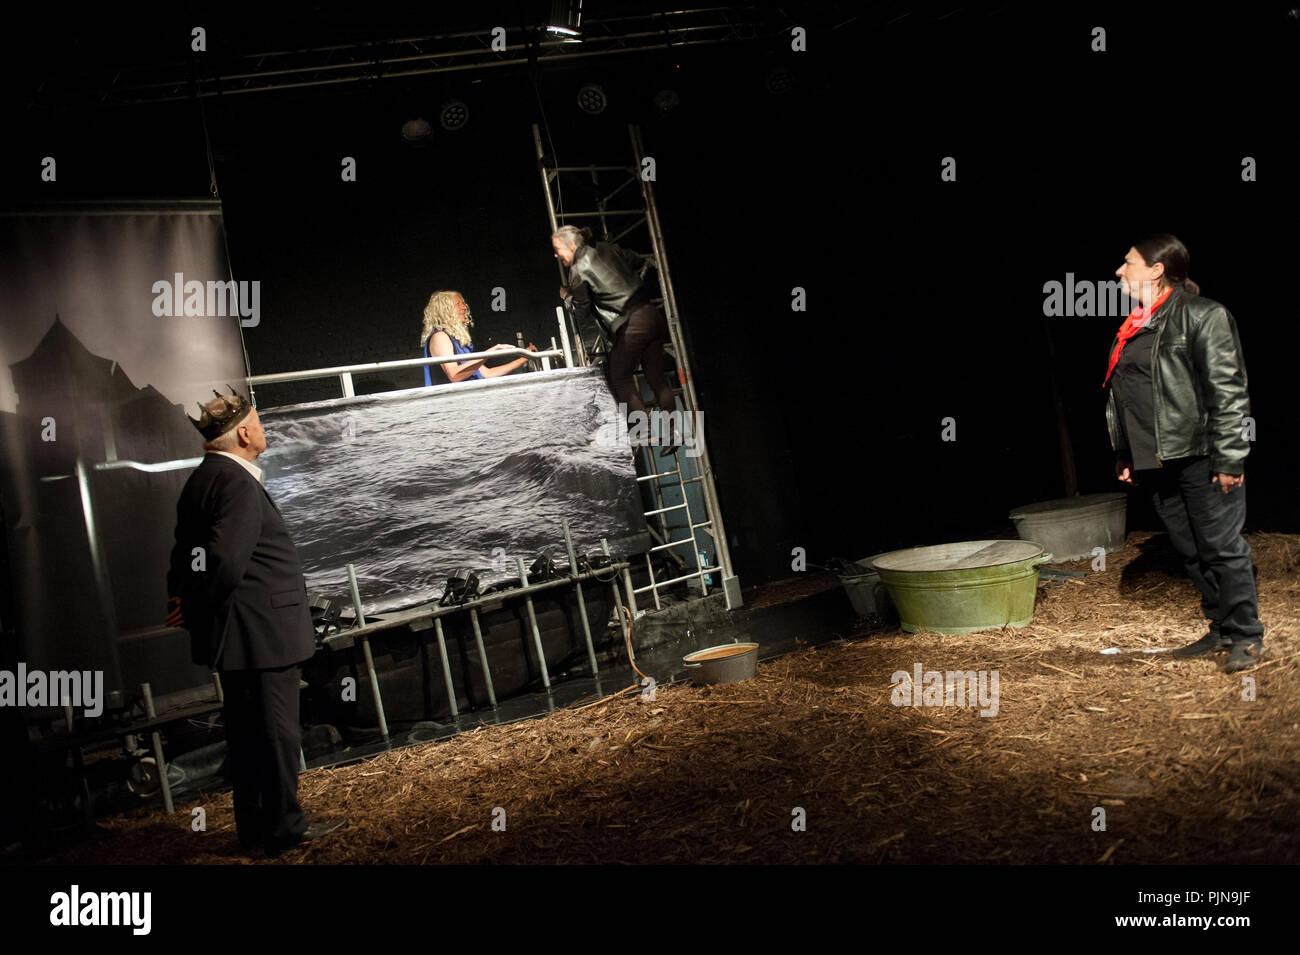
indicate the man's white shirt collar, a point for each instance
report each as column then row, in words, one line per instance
column 248, row 466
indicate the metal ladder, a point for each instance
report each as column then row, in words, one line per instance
column 675, row 521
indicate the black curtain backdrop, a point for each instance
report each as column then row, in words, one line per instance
column 924, row 297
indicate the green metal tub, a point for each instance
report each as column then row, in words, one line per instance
column 958, row 588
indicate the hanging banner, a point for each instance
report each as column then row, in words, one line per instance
column 411, row 486
column 114, row 319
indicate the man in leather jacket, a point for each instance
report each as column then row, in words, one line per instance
column 609, row 282
column 1176, row 408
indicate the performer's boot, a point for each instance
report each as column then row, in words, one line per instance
column 1212, row 642
column 674, row 442
column 1244, row 655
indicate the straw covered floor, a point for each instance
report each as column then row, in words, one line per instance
column 1184, row 767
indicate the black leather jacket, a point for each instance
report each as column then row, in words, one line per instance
column 608, row 280
column 1198, row 379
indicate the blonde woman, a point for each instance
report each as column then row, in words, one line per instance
column 447, row 321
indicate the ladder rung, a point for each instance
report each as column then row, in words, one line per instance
column 651, row 477
column 664, row 510
column 693, row 575
column 671, row 544
column 627, row 169
column 600, row 212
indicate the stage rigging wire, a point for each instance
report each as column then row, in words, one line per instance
column 216, row 194
column 627, row 634
column 533, row 75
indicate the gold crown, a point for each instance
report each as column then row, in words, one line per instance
column 213, row 424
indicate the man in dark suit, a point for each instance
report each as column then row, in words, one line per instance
column 237, row 586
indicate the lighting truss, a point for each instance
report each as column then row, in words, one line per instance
column 405, row 57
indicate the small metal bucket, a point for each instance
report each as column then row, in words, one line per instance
column 724, row 663
column 867, row 594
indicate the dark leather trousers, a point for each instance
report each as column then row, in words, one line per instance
column 1204, row 526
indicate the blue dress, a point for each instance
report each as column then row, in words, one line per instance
column 460, row 350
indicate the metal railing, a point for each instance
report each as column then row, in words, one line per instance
column 344, row 373
column 360, row 633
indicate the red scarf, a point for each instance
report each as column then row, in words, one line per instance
column 1136, row 321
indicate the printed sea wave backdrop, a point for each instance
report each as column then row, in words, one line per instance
column 410, row 486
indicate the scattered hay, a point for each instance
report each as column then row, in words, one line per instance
column 1185, row 769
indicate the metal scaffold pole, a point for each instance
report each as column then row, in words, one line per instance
column 730, row 584
column 621, row 177
column 579, row 348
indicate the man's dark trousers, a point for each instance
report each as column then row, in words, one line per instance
column 640, row 341
column 263, row 742
column 1204, row 526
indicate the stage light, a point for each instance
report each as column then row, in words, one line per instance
column 144, row 780
column 591, row 99
column 461, row 586
column 588, row 562
column 453, row 115
column 595, row 563
column 566, row 19
column 324, row 615
column 417, row 131
column 779, row 81
column 666, row 100
column 543, row 569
